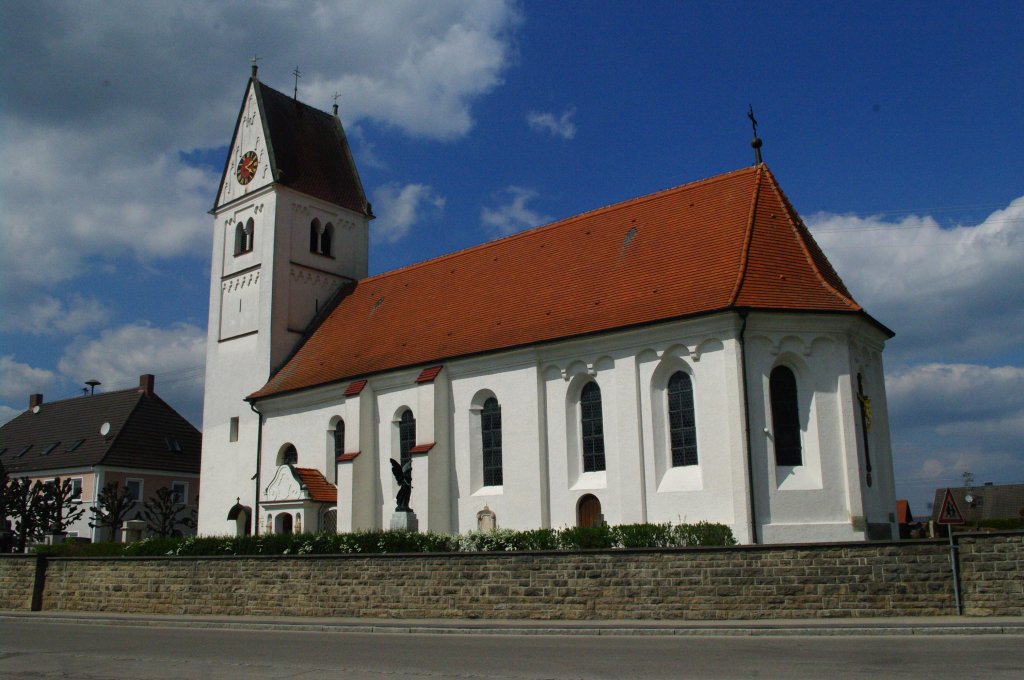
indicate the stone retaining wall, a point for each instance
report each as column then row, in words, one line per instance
column 17, row 578
column 992, row 574
column 750, row 582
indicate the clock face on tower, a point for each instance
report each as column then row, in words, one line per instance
column 247, row 167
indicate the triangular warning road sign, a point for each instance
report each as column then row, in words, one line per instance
column 949, row 511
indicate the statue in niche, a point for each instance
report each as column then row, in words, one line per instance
column 403, row 475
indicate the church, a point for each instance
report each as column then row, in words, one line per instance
column 684, row 356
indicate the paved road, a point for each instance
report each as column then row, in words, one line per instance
column 42, row 649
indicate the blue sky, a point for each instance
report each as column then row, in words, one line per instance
column 895, row 129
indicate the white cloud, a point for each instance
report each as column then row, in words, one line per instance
column 98, row 108
column 513, row 215
column 398, row 208
column 18, row 380
column 948, row 293
column 950, row 394
column 561, row 126
column 49, row 316
column 117, row 358
column 8, row 414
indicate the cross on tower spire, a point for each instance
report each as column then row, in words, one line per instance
column 336, row 95
column 756, row 142
column 255, row 66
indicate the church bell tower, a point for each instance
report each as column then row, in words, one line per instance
column 290, row 230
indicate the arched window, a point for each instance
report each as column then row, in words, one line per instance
column 785, row 417
column 339, row 438
column 326, row 240
column 314, row 236
column 592, row 426
column 406, row 436
column 239, row 239
column 490, row 442
column 681, row 422
column 250, row 235
column 288, row 456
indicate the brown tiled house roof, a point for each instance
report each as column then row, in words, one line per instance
column 307, row 150
column 732, row 241
column 317, row 485
column 145, row 433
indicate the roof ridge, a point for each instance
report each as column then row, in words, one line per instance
column 741, row 274
column 800, row 228
column 643, row 198
column 88, row 396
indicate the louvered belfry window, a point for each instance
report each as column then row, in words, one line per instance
column 681, row 420
column 490, row 434
column 592, row 425
column 785, row 417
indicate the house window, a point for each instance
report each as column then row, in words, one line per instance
column 134, row 487
column 288, row 455
column 76, row 489
column 339, row 438
column 233, row 429
column 592, row 425
column 406, row 436
column 785, row 416
column 490, row 442
column 179, row 492
column 682, row 425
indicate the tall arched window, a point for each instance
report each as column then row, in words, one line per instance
column 314, row 236
column 339, row 438
column 250, row 235
column 326, row 240
column 785, row 416
column 406, row 436
column 592, row 426
column 490, row 444
column 681, row 421
column 239, row 238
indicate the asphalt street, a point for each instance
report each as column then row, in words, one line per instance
column 93, row 650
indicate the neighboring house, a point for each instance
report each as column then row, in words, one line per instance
column 988, row 501
column 683, row 356
column 131, row 437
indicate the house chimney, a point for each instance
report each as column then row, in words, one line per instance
column 146, row 381
column 34, row 400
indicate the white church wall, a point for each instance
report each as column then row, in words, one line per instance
column 512, row 379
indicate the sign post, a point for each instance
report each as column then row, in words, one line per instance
column 949, row 514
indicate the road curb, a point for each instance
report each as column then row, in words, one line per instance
column 619, row 629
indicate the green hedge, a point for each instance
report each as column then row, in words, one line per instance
column 377, row 542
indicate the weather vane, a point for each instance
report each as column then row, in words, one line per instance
column 255, row 66
column 297, row 74
column 756, row 142
column 336, row 95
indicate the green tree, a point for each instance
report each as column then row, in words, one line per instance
column 59, row 507
column 113, row 504
column 164, row 515
column 25, row 503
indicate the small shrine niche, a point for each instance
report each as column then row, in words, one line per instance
column 486, row 520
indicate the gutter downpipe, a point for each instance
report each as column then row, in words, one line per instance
column 259, row 455
column 744, row 313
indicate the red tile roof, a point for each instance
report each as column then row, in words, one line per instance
column 903, row 514
column 354, row 388
column 731, row 241
column 428, row 374
column 317, row 485
column 421, row 448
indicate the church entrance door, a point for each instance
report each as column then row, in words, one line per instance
column 588, row 511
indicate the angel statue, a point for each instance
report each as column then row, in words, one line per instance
column 403, row 475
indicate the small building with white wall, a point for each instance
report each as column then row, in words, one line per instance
column 684, row 356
